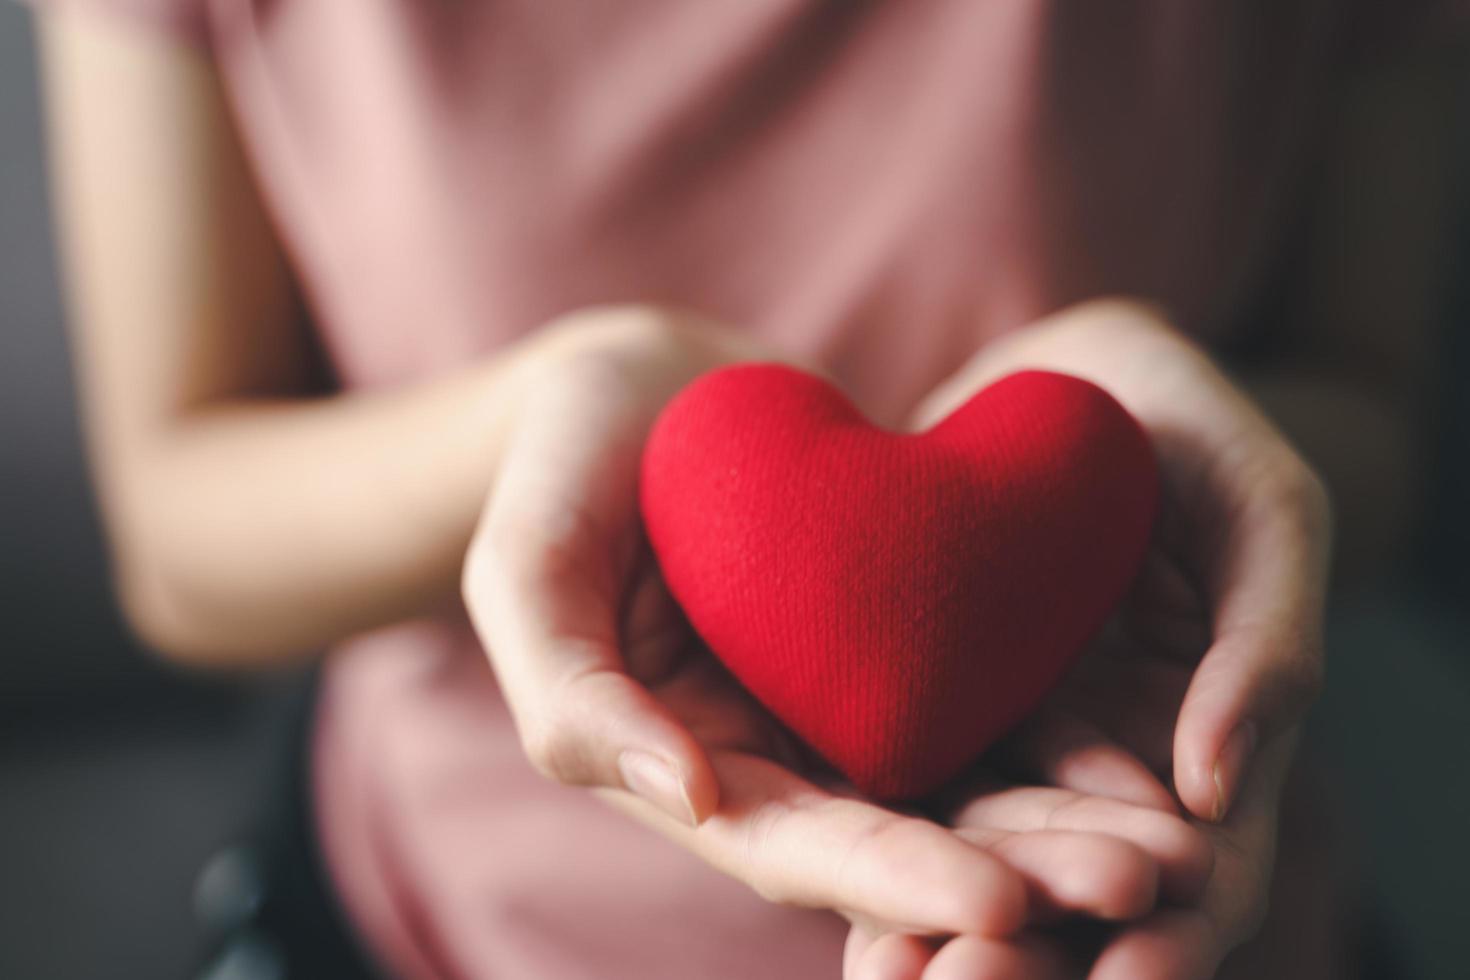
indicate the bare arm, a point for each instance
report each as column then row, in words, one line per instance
column 251, row 515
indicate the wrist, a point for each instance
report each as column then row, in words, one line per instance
column 622, row 332
column 653, row 350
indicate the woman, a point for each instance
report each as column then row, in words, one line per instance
column 374, row 305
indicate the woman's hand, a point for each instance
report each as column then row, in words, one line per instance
column 610, row 690
column 1108, row 729
column 987, row 810
column 557, row 561
column 1241, row 547
column 1204, row 676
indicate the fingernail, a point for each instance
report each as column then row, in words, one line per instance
column 1230, row 767
column 656, row 781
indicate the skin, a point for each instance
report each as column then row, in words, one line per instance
column 596, row 663
column 1222, row 634
column 202, row 403
column 509, row 487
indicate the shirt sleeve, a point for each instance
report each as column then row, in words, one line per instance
column 186, row 20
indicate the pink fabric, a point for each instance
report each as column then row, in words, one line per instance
column 457, row 860
column 842, row 178
column 883, row 185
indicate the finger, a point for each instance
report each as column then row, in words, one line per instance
column 1192, row 942
column 858, row 940
column 1025, row 957
column 891, row 956
column 798, row 844
column 1183, row 855
column 1076, row 873
column 544, row 584
column 1265, row 665
column 1173, row 944
column 1061, row 749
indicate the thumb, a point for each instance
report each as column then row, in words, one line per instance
column 1252, row 686
column 582, row 719
column 545, row 581
column 1265, row 665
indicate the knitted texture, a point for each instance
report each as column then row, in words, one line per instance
column 898, row 600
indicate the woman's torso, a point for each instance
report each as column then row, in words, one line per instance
column 883, row 186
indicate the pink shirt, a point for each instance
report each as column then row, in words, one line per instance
column 884, row 186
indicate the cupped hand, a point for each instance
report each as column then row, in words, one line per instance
column 1102, row 745
column 609, row 690
column 801, row 836
column 1200, row 682
column 1238, row 567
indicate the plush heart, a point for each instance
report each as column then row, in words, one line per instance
column 898, row 600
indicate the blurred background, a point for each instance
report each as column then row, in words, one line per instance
column 123, row 781
column 121, row 778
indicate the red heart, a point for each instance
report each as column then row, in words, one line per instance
column 899, row 600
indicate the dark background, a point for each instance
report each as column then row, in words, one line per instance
column 120, row 776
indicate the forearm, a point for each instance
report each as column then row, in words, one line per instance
column 251, row 530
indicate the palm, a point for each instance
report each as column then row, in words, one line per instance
column 1079, row 854
column 1108, row 731
column 1118, row 706
column 1102, row 748
column 1125, row 690
column 600, row 670
column 664, row 655
column 609, row 688
column 1113, row 726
